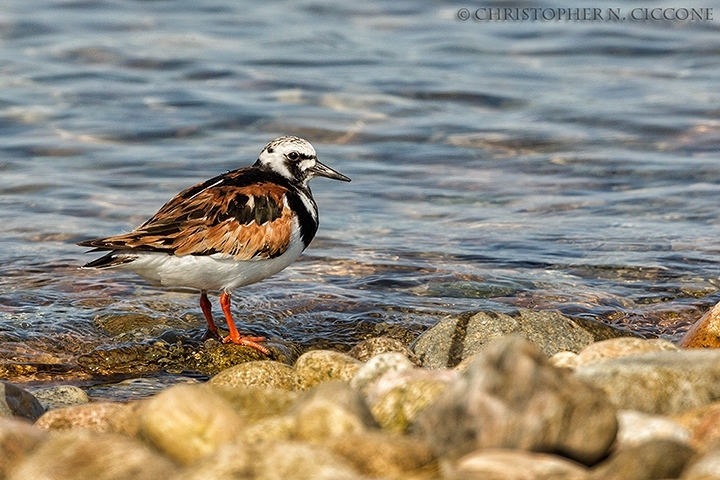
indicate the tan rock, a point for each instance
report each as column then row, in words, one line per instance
column 655, row 459
column 109, row 417
column 17, row 440
column 637, row 428
column 188, row 422
column 498, row 464
column 263, row 373
column 256, row 403
column 382, row 455
column 85, row 455
column 620, row 347
column 705, row 333
column 703, row 424
column 318, row 366
column 706, row 467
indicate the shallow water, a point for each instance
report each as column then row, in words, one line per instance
column 495, row 165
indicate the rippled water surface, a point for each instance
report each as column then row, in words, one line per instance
column 495, row 165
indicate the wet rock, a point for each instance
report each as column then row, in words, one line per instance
column 378, row 366
column 497, row 464
column 17, row 440
column 209, row 358
column 112, row 417
column 214, row 357
column 706, row 467
column 82, row 455
column 660, row 382
column 511, row 397
column 256, row 403
column 371, row 347
column 263, row 373
column 602, row 331
column 318, row 366
column 636, row 428
column 60, row 396
column 331, row 409
column 381, row 455
column 621, row 347
column 18, row 402
column 188, row 422
column 656, row 459
column 455, row 339
column 705, row 333
column 396, row 398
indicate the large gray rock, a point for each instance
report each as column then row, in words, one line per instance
column 454, row 339
column 661, row 382
column 511, row 397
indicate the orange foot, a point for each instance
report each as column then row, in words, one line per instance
column 248, row 342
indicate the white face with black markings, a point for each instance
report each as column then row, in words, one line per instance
column 295, row 159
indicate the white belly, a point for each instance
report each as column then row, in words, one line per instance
column 209, row 272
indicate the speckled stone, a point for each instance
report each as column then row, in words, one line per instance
column 371, row 347
column 256, row 403
column 318, row 366
column 60, row 396
column 262, row 373
column 112, row 417
column 378, row 366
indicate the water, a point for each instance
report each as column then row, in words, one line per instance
column 495, row 165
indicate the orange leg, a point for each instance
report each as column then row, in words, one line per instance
column 206, row 307
column 235, row 336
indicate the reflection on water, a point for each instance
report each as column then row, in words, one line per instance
column 495, row 165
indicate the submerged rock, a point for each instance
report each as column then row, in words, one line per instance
column 511, row 397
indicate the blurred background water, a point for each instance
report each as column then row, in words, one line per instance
column 568, row 165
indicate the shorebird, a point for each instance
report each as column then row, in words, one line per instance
column 230, row 231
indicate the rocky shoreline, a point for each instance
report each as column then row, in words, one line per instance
column 485, row 395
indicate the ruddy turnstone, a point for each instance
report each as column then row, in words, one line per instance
column 230, row 231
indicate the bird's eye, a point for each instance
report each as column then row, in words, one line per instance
column 293, row 155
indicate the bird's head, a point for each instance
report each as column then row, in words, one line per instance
column 295, row 159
